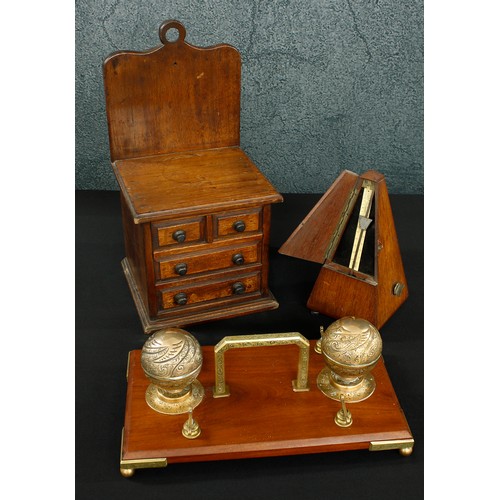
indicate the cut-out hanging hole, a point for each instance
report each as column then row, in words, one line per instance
column 172, row 32
column 172, row 35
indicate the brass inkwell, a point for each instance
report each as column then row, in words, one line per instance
column 171, row 360
column 351, row 347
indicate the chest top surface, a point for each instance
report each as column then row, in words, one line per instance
column 192, row 182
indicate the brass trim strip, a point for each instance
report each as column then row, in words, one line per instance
column 141, row 463
column 394, row 444
column 128, row 364
column 259, row 340
column 145, row 463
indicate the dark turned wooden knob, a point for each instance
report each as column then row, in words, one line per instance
column 238, row 259
column 238, row 288
column 181, row 269
column 239, row 226
column 179, row 236
column 180, row 298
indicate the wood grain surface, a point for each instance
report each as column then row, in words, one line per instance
column 175, row 97
column 310, row 239
column 192, row 183
column 263, row 416
column 340, row 291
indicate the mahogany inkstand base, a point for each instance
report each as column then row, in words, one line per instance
column 262, row 415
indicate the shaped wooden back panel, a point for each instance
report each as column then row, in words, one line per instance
column 173, row 98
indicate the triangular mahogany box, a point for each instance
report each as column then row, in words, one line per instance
column 334, row 234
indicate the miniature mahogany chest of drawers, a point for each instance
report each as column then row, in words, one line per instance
column 196, row 210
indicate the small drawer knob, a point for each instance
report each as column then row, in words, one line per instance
column 181, row 269
column 239, row 226
column 238, row 259
column 180, row 298
column 179, row 236
column 238, row 288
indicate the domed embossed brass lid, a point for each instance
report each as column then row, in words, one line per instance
column 352, row 341
column 351, row 347
column 171, row 360
column 171, row 354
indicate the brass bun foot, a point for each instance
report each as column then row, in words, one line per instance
column 353, row 394
column 175, row 406
column 127, row 472
column 406, row 452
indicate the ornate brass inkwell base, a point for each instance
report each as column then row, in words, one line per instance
column 351, row 347
column 171, row 360
column 164, row 402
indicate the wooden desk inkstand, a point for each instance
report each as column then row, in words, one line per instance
column 351, row 233
column 240, row 407
column 196, row 209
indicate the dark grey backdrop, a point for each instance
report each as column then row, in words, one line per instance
column 327, row 85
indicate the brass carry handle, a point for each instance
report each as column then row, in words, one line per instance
column 267, row 339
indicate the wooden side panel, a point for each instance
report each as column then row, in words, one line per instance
column 312, row 236
column 337, row 294
column 266, row 227
column 134, row 250
column 390, row 263
column 175, row 97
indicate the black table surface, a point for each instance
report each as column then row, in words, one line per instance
column 108, row 327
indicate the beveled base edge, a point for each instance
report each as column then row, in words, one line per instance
column 128, row 467
column 253, row 305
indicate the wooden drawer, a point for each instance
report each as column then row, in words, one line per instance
column 236, row 223
column 235, row 288
column 190, row 264
column 178, row 232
